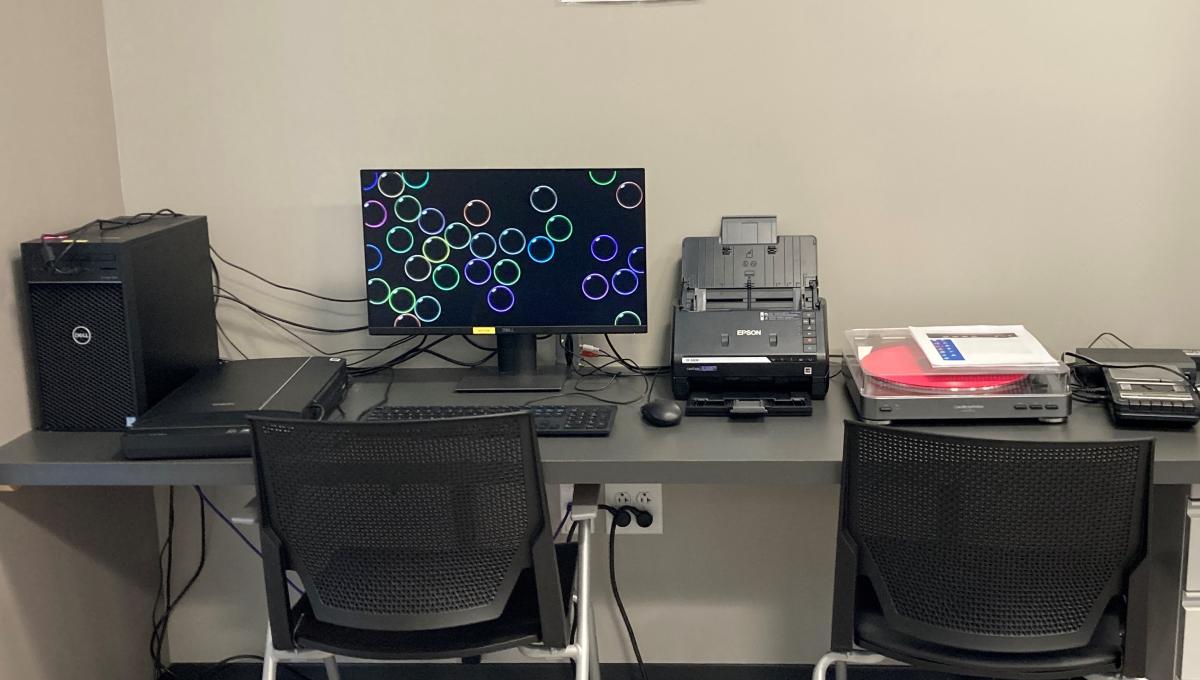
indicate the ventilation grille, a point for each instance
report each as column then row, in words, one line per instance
column 81, row 351
column 399, row 518
column 994, row 540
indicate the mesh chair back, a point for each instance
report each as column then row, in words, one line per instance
column 403, row 525
column 994, row 545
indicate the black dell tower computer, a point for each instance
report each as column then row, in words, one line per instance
column 120, row 313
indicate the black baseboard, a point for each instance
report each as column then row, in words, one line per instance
column 545, row 671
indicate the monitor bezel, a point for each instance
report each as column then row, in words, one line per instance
column 502, row 330
column 508, row 330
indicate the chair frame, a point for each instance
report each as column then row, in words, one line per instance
column 845, row 651
column 556, row 642
column 582, row 650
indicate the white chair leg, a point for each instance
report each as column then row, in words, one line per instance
column 331, row 669
column 270, row 660
column 583, row 608
column 821, row 670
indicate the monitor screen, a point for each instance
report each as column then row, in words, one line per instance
column 505, row 251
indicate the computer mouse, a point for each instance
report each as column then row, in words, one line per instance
column 662, row 413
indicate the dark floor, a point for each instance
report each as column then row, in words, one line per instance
column 539, row 671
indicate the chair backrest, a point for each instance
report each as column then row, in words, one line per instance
column 1006, row 546
column 403, row 525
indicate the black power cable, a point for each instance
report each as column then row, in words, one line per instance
column 280, row 285
column 296, row 324
column 158, row 634
column 282, row 325
column 242, row 535
column 223, row 665
column 387, row 393
column 286, row 325
column 566, row 516
column 52, row 261
column 612, row 578
column 648, row 376
column 164, row 580
column 399, row 359
column 1114, row 336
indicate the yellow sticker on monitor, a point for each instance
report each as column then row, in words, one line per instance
column 483, row 330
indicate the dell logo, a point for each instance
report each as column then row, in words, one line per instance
column 749, row 331
column 82, row 335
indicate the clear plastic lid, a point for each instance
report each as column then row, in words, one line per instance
column 951, row 360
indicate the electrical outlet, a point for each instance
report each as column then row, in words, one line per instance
column 641, row 496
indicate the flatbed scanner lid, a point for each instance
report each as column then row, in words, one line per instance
column 230, row 391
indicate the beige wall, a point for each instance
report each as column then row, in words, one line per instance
column 1016, row 161
column 58, row 149
column 76, row 566
column 960, row 161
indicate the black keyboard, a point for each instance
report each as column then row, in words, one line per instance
column 568, row 420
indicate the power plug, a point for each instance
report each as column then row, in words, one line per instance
column 646, row 498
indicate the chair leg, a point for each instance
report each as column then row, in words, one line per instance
column 270, row 659
column 840, row 672
column 593, row 649
column 821, row 670
column 331, row 669
column 583, row 607
column 840, row 659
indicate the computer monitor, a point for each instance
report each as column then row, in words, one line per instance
column 510, row 253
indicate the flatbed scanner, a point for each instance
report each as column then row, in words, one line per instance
column 750, row 332
column 206, row 416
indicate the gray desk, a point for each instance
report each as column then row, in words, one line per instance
column 699, row 451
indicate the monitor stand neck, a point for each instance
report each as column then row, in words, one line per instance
column 516, row 369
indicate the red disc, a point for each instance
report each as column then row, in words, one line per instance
column 905, row 364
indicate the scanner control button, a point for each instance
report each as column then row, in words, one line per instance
column 724, row 339
column 1020, row 407
column 773, row 338
column 1051, row 407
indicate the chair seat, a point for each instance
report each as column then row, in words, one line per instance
column 1101, row 655
column 518, row 625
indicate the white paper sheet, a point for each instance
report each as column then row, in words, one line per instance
column 980, row 346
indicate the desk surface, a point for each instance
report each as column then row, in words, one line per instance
column 699, row 451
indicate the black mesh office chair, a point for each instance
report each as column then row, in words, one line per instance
column 414, row 540
column 1007, row 559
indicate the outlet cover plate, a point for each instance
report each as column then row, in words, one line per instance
column 641, row 496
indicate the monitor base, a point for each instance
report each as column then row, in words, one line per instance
column 549, row 379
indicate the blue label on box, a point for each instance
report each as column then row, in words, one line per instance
column 947, row 350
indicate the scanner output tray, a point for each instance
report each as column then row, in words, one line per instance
column 749, row 405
